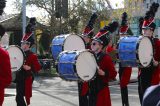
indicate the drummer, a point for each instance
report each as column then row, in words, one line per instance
column 124, row 72
column 24, row 77
column 87, row 35
column 5, row 68
column 100, row 94
column 150, row 75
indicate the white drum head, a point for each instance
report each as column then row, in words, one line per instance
column 74, row 42
column 86, row 65
column 145, row 51
column 16, row 57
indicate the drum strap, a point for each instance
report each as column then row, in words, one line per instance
column 27, row 53
column 100, row 56
column 99, row 83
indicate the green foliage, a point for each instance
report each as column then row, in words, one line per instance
column 132, row 7
column 79, row 12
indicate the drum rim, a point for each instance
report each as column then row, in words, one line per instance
column 74, row 66
column 22, row 53
column 56, row 63
column 137, row 46
column 138, row 43
column 87, row 50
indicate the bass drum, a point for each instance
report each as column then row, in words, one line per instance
column 66, row 42
column 135, row 51
column 76, row 65
column 16, row 55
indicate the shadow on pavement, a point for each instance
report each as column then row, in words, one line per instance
column 72, row 104
column 8, row 95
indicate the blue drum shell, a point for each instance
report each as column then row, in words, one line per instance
column 66, row 66
column 127, row 51
column 57, row 46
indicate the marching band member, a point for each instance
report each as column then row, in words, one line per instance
column 87, row 35
column 150, row 75
column 100, row 95
column 5, row 68
column 24, row 77
column 124, row 72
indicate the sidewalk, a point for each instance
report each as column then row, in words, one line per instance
column 48, row 92
column 53, row 91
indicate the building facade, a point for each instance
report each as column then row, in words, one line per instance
column 139, row 9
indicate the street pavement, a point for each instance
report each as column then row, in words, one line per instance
column 53, row 91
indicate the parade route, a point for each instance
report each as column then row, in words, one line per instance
column 53, row 91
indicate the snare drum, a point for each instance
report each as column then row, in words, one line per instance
column 16, row 55
column 135, row 51
column 76, row 65
column 66, row 42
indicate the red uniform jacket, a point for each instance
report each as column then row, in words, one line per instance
column 156, row 74
column 103, row 94
column 31, row 60
column 5, row 72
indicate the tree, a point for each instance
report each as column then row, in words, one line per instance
column 132, row 7
column 79, row 12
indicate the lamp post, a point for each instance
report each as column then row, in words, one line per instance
column 23, row 16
